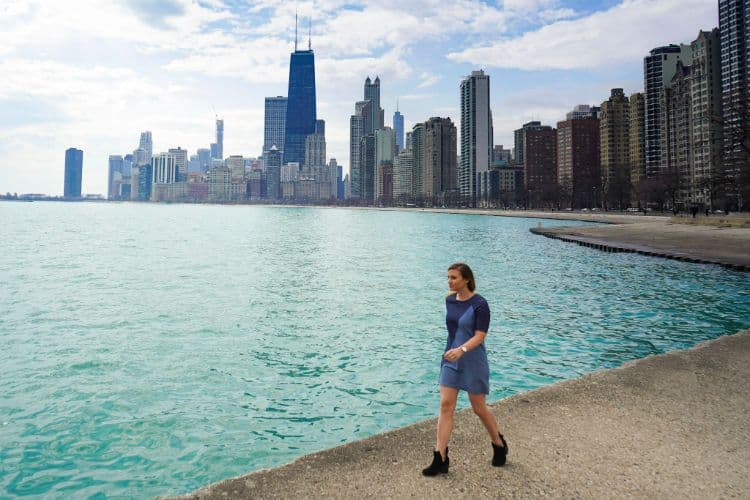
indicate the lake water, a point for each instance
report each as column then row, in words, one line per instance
column 153, row 349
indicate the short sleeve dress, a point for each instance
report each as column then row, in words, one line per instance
column 471, row 372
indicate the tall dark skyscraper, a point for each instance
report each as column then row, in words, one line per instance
column 300, row 109
column 734, row 30
column 73, row 173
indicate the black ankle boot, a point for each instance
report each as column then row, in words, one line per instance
column 438, row 465
column 500, row 452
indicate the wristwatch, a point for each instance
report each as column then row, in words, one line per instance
column 464, row 349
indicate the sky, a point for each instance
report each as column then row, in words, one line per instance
column 93, row 74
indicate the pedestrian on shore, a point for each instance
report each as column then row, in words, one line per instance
column 464, row 366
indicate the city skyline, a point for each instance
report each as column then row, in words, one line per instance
column 100, row 100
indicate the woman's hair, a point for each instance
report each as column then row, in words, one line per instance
column 465, row 272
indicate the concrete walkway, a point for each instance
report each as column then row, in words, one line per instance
column 669, row 426
column 708, row 244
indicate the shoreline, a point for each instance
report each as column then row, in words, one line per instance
column 668, row 425
column 725, row 246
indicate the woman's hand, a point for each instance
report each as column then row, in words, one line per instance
column 453, row 354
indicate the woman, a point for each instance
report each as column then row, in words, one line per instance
column 464, row 366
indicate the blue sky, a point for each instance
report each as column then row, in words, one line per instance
column 93, row 74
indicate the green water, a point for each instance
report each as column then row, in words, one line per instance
column 152, row 349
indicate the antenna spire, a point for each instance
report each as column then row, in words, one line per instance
column 309, row 33
column 295, row 31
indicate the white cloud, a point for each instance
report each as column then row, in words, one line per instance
column 428, row 80
column 621, row 34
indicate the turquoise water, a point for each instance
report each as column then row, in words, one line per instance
column 152, row 349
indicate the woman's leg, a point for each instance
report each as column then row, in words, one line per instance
column 485, row 415
column 448, row 397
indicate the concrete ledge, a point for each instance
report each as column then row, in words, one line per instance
column 700, row 244
column 668, row 426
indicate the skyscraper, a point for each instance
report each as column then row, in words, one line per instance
column 578, row 162
column 637, row 140
column 147, row 145
column 418, row 163
column 274, row 123
column 706, row 130
column 372, row 94
column 658, row 69
column 539, row 162
column 115, row 176
column 734, row 31
column 73, row 173
column 385, row 144
column 301, row 104
column 398, row 127
column 476, row 133
column 440, row 170
column 219, row 139
column 518, row 137
column 181, row 160
column 615, row 148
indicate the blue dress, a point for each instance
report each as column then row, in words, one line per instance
column 471, row 372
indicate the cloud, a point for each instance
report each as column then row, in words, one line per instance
column 624, row 33
column 428, row 80
column 156, row 12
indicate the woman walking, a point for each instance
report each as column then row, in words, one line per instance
column 464, row 366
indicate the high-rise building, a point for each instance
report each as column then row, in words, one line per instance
column 165, row 168
column 539, row 162
column 356, row 128
column 615, row 149
column 274, row 123
column 73, row 173
column 637, row 138
column 219, row 139
column 367, row 167
column 583, row 111
column 734, row 31
column 578, row 161
column 385, row 145
column 398, row 127
column 476, row 133
column 301, row 104
column 204, row 159
column 402, row 176
column 500, row 155
column 146, row 143
column 658, row 69
column 273, row 173
column 236, row 166
column 114, row 177
column 706, row 130
column 518, row 136
column 440, row 169
column 675, row 132
column 372, row 94
column 417, row 148
column 315, row 150
column 181, row 161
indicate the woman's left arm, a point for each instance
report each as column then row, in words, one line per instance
column 470, row 345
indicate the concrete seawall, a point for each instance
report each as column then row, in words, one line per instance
column 728, row 247
column 670, row 426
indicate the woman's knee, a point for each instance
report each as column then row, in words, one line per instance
column 479, row 408
column 447, row 406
